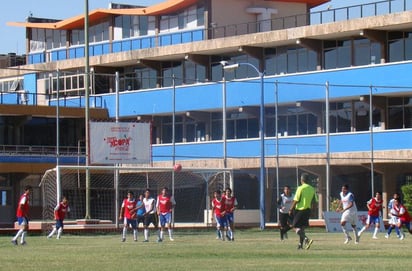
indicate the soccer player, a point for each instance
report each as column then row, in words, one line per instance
column 374, row 208
column 22, row 217
column 128, row 214
column 284, row 203
column 404, row 217
column 218, row 236
column 60, row 212
column 140, row 211
column 150, row 216
column 219, row 212
column 301, row 206
column 393, row 217
column 347, row 207
column 165, row 204
column 230, row 205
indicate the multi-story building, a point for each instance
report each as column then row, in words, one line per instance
column 336, row 102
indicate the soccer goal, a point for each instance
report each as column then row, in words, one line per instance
column 108, row 186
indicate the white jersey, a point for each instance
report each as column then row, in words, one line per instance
column 149, row 205
column 285, row 202
column 346, row 200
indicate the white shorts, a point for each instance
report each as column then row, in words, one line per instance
column 349, row 217
column 394, row 220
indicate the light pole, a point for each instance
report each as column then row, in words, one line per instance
column 261, row 137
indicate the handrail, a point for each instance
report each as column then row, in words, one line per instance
column 31, row 150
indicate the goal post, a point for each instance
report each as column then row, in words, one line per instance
column 192, row 189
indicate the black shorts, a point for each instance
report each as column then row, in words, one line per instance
column 140, row 219
column 301, row 218
column 150, row 218
column 285, row 219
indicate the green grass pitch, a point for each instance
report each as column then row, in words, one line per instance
column 199, row 250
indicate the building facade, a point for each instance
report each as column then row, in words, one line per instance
column 337, row 95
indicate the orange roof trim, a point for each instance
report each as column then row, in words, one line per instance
column 311, row 3
column 169, row 6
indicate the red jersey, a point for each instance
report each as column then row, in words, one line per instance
column 230, row 204
column 61, row 210
column 375, row 206
column 403, row 213
column 23, row 206
column 218, row 207
column 128, row 205
column 165, row 204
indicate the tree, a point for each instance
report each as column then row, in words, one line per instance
column 407, row 196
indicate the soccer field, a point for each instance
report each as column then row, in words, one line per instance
column 199, row 250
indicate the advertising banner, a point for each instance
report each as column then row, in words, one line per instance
column 332, row 221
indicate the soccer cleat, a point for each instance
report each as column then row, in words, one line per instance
column 374, row 237
column 23, row 243
column 300, row 246
column 357, row 239
column 402, row 236
column 159, row 240
column 171, row 239
column 14, row 242
column 123, row 239
column 135, row 240
column 285, row 235
column 145, row 241
column 348, row 239
column 387, row 236
column 308, row 243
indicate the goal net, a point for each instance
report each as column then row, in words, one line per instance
column 108, row 186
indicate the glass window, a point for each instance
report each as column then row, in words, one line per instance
column 217, row 129
column 396, row 49
column 126, row 26
column 143, row 25
column 200, row 16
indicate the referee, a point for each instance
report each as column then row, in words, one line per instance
column 302, row 203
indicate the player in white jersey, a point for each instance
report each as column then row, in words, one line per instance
column 150, row 215
column 347, row 207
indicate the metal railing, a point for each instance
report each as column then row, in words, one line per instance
column 312, row 18
column 32, row 150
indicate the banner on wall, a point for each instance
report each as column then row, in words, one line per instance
column 119, row 143
column 332, row 221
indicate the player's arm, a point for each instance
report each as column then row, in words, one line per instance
column 339, row 206
column 121, row 211
column 292, row 207
column 234, row 206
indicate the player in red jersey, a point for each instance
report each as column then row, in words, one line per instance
column 374, row 205
column 60, row 212
column 231, row 205
column 164, row 206
column 219, row 209
column 404, row 217
column 128, row 214
column 22, row 216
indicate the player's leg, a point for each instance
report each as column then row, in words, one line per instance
column 377, row 227
column 368, row 221
column 146, row 224
column 53, row 231
column 20, row 221
column 25, row 229
column 124, row 231
column 162, row 220
column 133, row 223
column 59, row 227
column 169, row 226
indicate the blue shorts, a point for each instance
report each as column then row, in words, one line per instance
column 165, row 218
column 221, row 221
column 132, row 222
column 23, row 221
column 59, row 223
column 373, row 219
column 230, row 218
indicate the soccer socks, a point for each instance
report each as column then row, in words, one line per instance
column 59, row 233
column 361, row 231
column 398, row 232
column 161, row 234
column 124, row 232
column 345, row 231
column 170, row 234
column 375, row 232
column 20, row 232
column 302, row 235
column 146, row 234
column 51, row 233
column 23, row 235
column 135, row 234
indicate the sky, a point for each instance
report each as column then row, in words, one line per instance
column 13, row 38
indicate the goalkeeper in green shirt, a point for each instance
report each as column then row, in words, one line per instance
column 301, row 208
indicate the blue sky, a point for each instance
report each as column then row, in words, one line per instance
column 13, row 38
